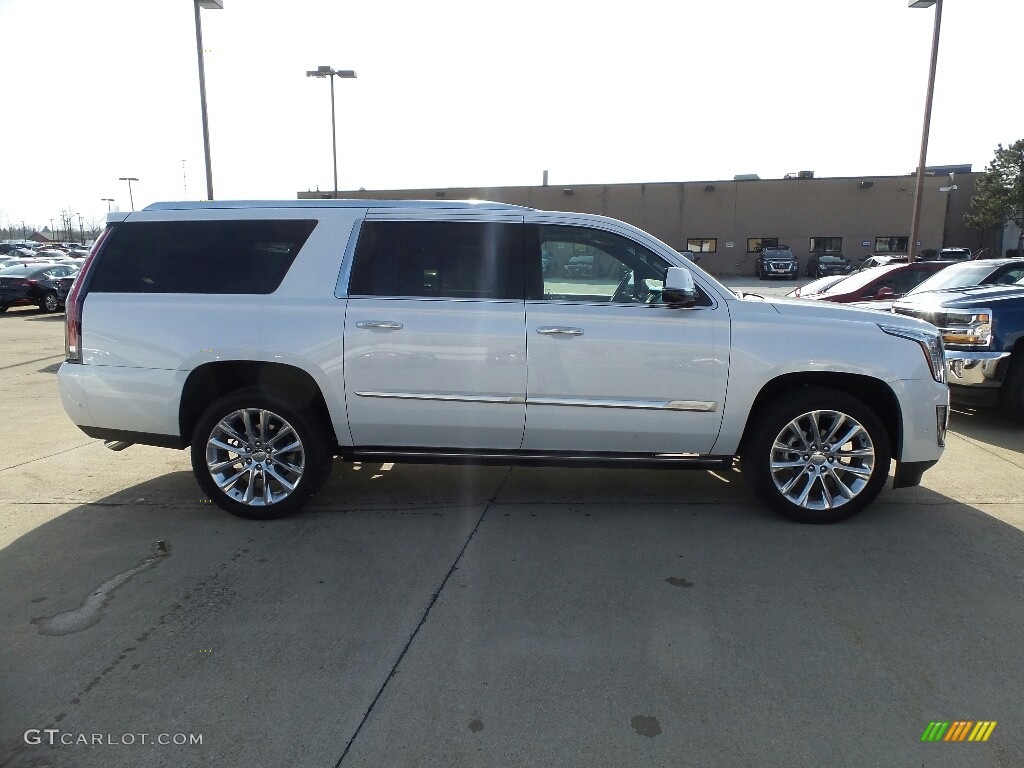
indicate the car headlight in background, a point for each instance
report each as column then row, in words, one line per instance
column 931, row 345
column 970, row 328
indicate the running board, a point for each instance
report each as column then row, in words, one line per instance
column 536, row 458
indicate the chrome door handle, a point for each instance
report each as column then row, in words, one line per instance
column 387, row 325
column 550, row 330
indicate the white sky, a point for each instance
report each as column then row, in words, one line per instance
column 487, row 94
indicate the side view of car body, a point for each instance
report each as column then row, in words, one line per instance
column 883, row 283
column 419, row 331
column 44, row 286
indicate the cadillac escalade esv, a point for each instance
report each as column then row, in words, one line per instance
column 271, row 337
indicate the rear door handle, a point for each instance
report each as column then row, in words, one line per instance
column 551, row 330
column 387, row 325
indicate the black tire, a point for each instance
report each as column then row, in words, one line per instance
column 827, row 468
column 50, row 302
column 1011, row 394
column 3, row 308
column 255, row 469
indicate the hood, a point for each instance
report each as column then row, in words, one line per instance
column 969, row 296
column 810, row 312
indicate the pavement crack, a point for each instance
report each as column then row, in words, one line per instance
column 423, row 619
column 50, row 456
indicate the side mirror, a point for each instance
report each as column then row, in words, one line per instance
column 679, row 289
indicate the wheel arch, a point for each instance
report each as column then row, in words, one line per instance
column 211, row 381
column 874, row 393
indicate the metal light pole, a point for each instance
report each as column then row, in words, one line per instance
column 212, row 5
column 51, row 230
column 81, row 229
column 129, row 179
column 326, row 71
column 915, row 222
column 108, row 201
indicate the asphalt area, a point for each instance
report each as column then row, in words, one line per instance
column 453, row 616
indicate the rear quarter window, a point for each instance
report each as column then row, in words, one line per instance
column 239, row 257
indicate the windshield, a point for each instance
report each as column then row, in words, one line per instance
column 859, row 280
column 955, row 277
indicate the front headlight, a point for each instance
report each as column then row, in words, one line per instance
column 971, row 328
column 930, row 343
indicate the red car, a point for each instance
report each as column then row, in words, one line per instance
column 880, row 283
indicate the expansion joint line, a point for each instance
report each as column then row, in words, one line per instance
column 423, row 619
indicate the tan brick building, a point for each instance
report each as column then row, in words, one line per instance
column 728, row 221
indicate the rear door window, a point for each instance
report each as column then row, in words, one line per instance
column 240, row 257
column 438, row 259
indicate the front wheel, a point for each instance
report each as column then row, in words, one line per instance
column 819, row 457
column 1011, row 393
column 257, row 456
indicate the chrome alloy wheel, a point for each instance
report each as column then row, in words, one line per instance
column 255, row 457
column 822, row 460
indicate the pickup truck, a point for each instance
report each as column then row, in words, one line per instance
column 983, row 330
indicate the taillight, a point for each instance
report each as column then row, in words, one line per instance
column 74, row 303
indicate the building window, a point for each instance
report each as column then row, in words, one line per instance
column 702, row 244
column 893, row 244
column 826, row 245
column 755, row 244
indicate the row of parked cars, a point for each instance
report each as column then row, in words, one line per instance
column 38, row 277
column 780, row 261
column 978, row 306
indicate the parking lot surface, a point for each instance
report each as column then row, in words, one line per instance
column 447, row 616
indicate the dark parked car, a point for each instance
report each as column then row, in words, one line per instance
column 776, row 261
column 880, row 283
column 35, row 284
column 581, row 265
column 824, row 264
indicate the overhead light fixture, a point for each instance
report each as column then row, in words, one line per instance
column 921, row 3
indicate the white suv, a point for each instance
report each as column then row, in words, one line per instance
column 273, row 336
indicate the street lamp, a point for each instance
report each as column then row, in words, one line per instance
column 81, row 229
column 129, row 179
column 212, row 5
column 108, row 201
column 326, row 71
column 915, row 222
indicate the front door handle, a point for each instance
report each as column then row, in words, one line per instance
column 551, row 330
column 387, row 325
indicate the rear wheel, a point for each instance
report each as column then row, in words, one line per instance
column 257, row 456
column 3, row 307
column 50, row 302
column 820, row 457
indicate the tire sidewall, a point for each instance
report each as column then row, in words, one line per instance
column 310, row 431
column 770, row 420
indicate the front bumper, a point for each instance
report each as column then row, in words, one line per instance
column 974, row 369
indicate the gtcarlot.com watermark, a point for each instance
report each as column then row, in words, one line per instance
column 55, row 737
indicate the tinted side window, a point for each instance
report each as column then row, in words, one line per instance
column 249, row 256
column 442, row 259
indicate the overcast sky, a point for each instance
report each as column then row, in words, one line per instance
column 487, row 94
